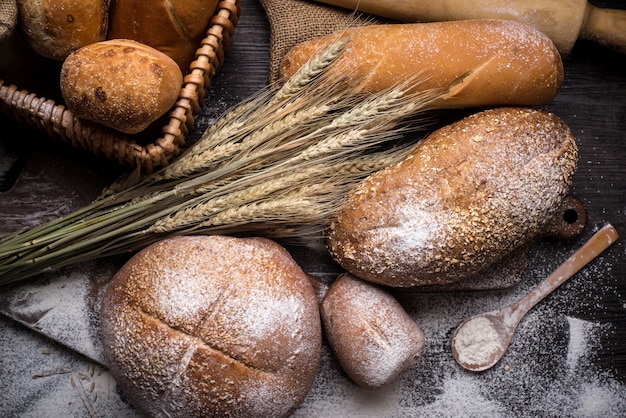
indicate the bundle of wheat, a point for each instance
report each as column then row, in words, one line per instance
column 278, row 165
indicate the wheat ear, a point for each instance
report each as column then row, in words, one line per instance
column 222, row 136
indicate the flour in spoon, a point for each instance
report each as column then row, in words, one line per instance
column 477, row 341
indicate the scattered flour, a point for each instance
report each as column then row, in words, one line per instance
column 55, row 310
column 579, row 334
column 39, row 378
column 553, row 367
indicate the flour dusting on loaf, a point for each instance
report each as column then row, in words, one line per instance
column 120, row 83
column 372, row 336
column 475, row 62
column 464, row 198
column 212, row 326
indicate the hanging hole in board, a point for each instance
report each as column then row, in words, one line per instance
column 569, row 221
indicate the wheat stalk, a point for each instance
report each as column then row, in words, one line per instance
column 224, row 139
column 212, row 158
column 311, row 70
column 333, row 175
column 278, row 164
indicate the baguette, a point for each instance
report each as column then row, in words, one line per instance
column 475, row 62
column 465, row 197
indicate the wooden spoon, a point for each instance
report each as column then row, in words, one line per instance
column 481, row 341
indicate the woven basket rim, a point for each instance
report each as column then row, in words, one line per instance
column 59, row 122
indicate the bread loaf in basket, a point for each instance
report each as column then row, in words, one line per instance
column 52, row 116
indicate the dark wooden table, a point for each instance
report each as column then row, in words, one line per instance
column 568, row 357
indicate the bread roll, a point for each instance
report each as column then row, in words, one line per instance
column 56, row 28
column 173, row 27
column 211, row 326
column 466, row 196
column 372, row 336
column 476, row 62
column 120, row 83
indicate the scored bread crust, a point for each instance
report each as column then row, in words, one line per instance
column 475, row 62
column 212, row 326
column 465, row 197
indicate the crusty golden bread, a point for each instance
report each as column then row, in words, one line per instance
column 212, row 326
column 56, row 28
column 120, row 83
column 370, row 333
column 467, row 195
column 477, row 62
column 173, row 27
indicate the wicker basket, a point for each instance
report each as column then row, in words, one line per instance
column 59, row 123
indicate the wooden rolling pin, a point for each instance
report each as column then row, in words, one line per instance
column 564, row 21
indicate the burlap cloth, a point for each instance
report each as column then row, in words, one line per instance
column 295, row 21
column 8, row 18
column 8, row 21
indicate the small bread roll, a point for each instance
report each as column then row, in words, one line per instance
column 120, row 83
column 370, row 333
column 174, row 27
column 465, row 197
column 56, row 28
column 212, row 326
column 475, row 62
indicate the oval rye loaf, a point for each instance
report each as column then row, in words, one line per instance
column 466, row 196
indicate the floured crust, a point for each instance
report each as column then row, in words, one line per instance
column 465, row 197
column 478, row 62
column 371, row 334
column 122, row 84
column 212, row 326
